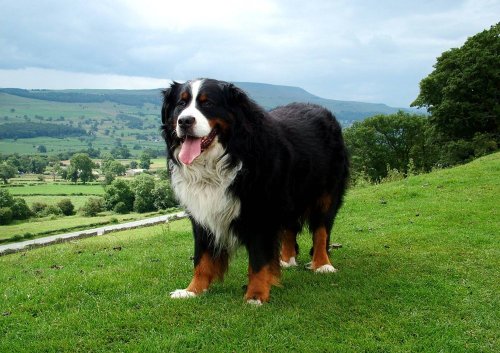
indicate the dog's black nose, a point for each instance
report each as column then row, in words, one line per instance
column 186, row 122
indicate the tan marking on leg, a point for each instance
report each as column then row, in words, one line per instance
column 207, row 270
column 320, row 256
column 288, row 240
column 259, row 283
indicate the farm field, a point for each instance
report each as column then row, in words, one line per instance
column 418, row 272
column 104, row 119
column 56, row 189
column 45, row 226
column 50, row 193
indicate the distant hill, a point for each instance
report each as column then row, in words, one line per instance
column 105, row 119
column 269, row 96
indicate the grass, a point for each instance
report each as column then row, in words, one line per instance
column 45, row 226
column 56, row 189
column 18, row 109
column 418, row 272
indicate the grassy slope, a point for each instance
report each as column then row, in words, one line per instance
column 77, row 113
column 418, row 272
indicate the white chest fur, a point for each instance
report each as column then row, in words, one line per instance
column 202, row 188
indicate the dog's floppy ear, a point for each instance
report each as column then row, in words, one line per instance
column 233, row 94
column 168, row 101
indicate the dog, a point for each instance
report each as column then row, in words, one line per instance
column 253, row 178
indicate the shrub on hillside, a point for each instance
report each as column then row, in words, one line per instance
column 121, row 207
column 119, row 192
column 20, row 209
column 163, row 196
column 143, row 186
column 50, row 210
column 5, row 215
column 92, row 207
column 66, row 207
column 6, row 199
column 38, row 207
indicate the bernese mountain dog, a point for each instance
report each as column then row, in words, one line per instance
column 250, row 177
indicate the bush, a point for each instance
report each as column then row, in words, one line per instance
column 108, row 178
column 162, row 174
column 121, row 207
column 20, row 209
column 38, row 207
column 5, row 215
column 119, row 191
column 50, row 210
column 392, row 175
column 28, row 235
column 6, row 199
column 92, row 207
column 66, row 207
column 163, row 196
column 143, row 186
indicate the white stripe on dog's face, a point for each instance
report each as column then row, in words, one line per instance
column 201, row 126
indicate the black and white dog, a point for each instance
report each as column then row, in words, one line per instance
column 253, row 178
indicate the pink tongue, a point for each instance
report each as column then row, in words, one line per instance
column 190, row 149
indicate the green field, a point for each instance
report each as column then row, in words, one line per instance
column 103, row 115
column 418, row 272
column 46, row 226
column 51, row 193
column 56, row 189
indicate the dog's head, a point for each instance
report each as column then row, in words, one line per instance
column 198, row 114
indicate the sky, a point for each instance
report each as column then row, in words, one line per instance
column 370, row 51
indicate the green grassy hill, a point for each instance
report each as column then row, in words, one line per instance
column 132, row 116
column 418, row 272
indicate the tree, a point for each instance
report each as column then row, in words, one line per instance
column 393, row 140
column 143, row 186
column 163, row 195
column 20, row 209
column 113, row 167
column 6, row 172
column 54, row 167
column 145, row 160
column 92, row 206
column 119, row 192
column 80, row 167
column 6, row 199
column 66, row 206
column 5, row 215
column 41, row 149
column 37, row 164
column 463, row 92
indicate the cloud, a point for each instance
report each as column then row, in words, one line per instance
column 36, row 78
column 358, row 50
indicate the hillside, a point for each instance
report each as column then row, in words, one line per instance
column 418, row 272
column 130, row 117
column 271, row 96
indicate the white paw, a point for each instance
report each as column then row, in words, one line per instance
column 256, row 302
column 325, row 269
column 291, row 263
column 182, row 293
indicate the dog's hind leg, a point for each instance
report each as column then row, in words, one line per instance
column 289, row 248
column 321, row 223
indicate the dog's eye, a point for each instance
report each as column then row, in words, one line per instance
column 207, row 104
column 181, row 103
